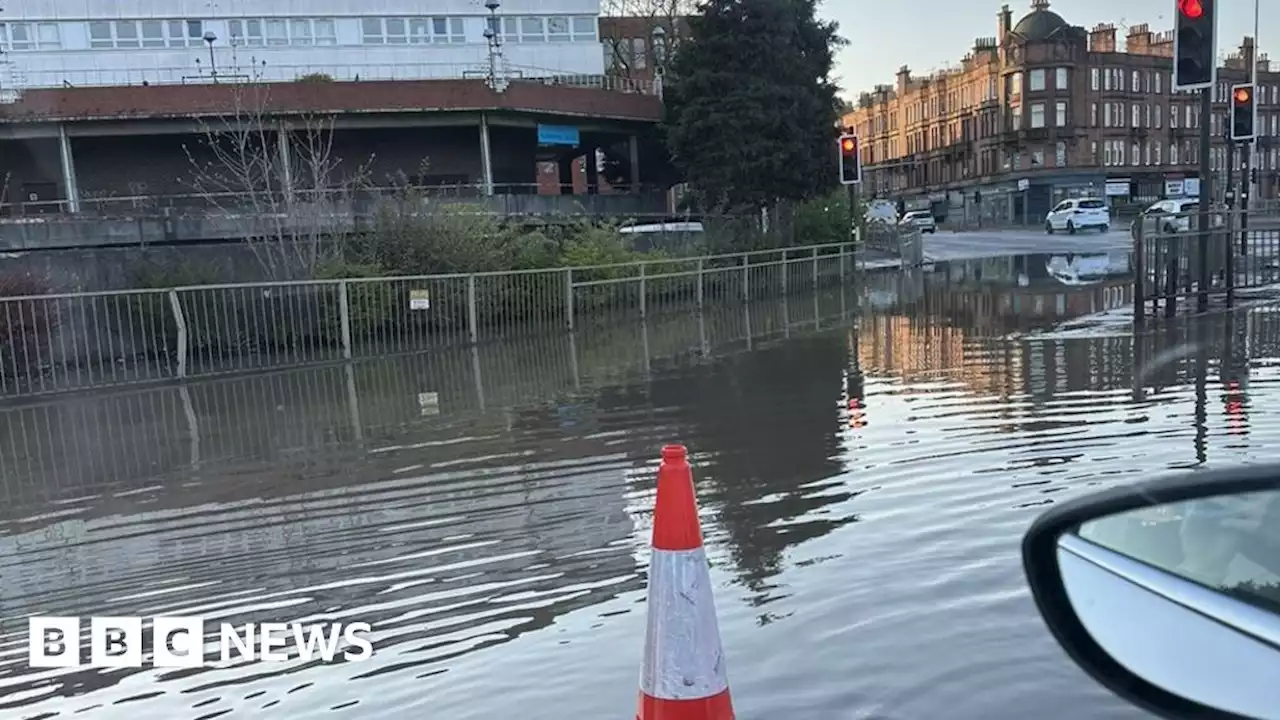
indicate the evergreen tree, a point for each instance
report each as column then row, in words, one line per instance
column 751, row 108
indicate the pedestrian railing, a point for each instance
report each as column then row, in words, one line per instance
column 55, row 343
column 1176, row 265
column 54, row 448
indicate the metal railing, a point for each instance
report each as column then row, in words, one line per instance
column 1176, row 265
column 57, row 448
column 344, row 201
column 62, row 342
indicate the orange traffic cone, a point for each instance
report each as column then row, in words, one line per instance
column 683, row 676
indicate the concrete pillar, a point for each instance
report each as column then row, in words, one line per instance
column 565, row 163
column 70, row 188
column 634, row 147
column 593, row 171
column 284, row 150
column 486, row 156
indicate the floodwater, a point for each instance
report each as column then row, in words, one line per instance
column 865, row 484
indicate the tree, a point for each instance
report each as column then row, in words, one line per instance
column 281, row 178
column 751, row 108
column 638, row 20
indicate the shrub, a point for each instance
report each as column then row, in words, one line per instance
column 26, row 326
column 371, row 306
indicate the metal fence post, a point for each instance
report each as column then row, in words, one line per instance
column 568, row 297
column 786, row 270
column 473, row 319
column 746, row 290
column 815, row 268
column 701, row 290
column 644, row 292
column 1139, row 277
column 181, row 321
column 344, row 318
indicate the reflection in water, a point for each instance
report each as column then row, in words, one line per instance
column 864, row 484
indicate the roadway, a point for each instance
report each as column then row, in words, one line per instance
column 950, row 245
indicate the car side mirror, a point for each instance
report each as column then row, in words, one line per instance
column 1168, row 592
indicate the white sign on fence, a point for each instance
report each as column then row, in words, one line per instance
column 1191, row 187
column 419, row 300
column 1173, row 188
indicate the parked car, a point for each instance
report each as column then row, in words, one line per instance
column 882, row 211
column 1171, row 216
column 1167, row 592
column 1078, row 214
column 921, row 220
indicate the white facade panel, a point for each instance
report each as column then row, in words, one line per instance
column 52, row 43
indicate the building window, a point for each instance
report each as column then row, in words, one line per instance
column 1037, row 115
column 129, row 34
column 1135, row 83
column 1159, row 114
column 1093, row 114
column 1173, row 153
column 1036, row 80
column 22, row 37
column 1060, row 79
column 1094, row 79
column 1158, row 144
column 1136, row 156
column 1135, row 115
column 584, row 29
column 1060, row 113
column 1159, row 75
column 1015, row 119
column 1107, row 115
column 1037, row 159
column 1060, row 154
column 414, row 30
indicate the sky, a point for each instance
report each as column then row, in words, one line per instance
column 929, row 34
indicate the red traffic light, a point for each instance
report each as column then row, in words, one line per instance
column 1193, row 9
column 848, row 145
column 1242, row 95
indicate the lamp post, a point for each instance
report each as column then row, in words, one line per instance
column 210, row 38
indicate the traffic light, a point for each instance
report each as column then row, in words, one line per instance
column 1243, row 112
column 850, row 160
column 1195, row 44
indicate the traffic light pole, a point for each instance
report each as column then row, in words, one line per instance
column 1247, row 191
column 1206, row 196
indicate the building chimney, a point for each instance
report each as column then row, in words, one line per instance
column 1138, row 41
column 1039, row 5
column 1102, row 38
column 904, row 79
column 1005, row 18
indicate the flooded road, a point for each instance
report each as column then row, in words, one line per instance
column 865, row 483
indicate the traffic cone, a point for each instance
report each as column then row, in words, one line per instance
column 683, row 675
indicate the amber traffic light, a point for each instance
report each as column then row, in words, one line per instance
column 850, row 160
column 1243, row 112
column 1195, row 46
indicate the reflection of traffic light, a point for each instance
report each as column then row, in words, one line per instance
column 1195, row 46
column 1237, row 422
column 1243, row 112
column 850, row 161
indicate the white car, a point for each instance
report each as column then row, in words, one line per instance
column 1172, row 216
column 1167, row 592
column 922, row 220
column 1078, row 214
column 882, row 211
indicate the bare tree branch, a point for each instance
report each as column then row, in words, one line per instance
column 281, row 179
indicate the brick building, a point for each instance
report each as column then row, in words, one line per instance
column 1045, row 111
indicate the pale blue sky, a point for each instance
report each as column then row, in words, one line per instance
column 927, row 34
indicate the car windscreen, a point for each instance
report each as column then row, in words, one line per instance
column 1189, row 207
column 1092, row 204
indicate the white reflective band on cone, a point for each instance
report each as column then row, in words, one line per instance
column 683, row 659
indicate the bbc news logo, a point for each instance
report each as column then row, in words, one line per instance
column 182, row 642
